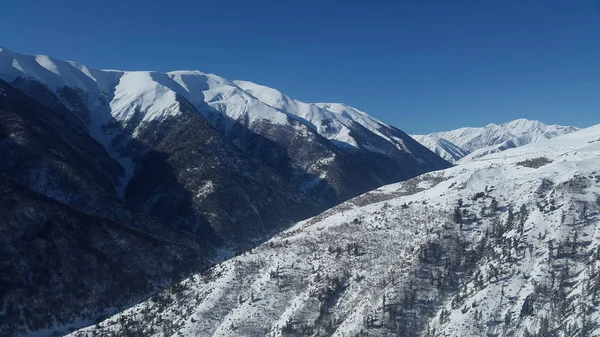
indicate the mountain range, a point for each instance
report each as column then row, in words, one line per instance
column 142, row 203
column 104, row 169
column 468, row 143
column 318, row 149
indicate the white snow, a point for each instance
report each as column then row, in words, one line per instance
column 331, row 120
column 205, row 190
column 442, row 147
column 139, row 92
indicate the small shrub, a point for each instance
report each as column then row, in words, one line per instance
column 535, row 162
column 478, row 195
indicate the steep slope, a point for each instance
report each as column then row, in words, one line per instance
column 64, row 268
column 506, row 246
column 44, row 150
column 98, row 253
column 358, row 144
column 195, row 179
column 70, row 249
column 331, row 120
column 140, row 116
column 490, row 138
column 442, row 147
column 189, row 182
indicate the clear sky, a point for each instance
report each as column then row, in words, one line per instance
column 422, row 65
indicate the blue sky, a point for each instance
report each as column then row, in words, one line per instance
column 420, row 65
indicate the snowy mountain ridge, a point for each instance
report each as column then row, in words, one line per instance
column 504, row 245
column 474, row 142
column 269, row 125
column 319, row 150
column 154, row 95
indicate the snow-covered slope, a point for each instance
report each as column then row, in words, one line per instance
column 70, row 247
column 332, row 120
column 504, row 245
column 134, row 115
column 331, row 125
column 455, row 144
column 442, row 147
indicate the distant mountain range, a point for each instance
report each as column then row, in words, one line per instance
column 175, row 170
column 468, row 143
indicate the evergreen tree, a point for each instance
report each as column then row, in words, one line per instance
column 507, row 317
column 544, row 327
column 494, row 205
column 457, row 216
column 584, row 211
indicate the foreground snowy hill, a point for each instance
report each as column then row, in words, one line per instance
column 471, row 143
column 507, row 245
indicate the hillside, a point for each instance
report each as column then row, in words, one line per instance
column 506, row 245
